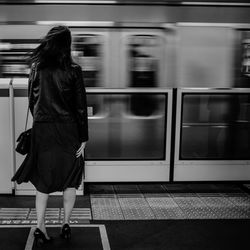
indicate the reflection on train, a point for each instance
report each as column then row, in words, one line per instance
column 215, row 126
column 118, row 134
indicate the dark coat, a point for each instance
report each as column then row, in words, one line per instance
column 56, row 95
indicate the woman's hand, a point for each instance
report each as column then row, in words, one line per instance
column 80, row 151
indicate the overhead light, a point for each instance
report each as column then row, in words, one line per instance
column 77, row 23
column 212, row 3
column 77, row 1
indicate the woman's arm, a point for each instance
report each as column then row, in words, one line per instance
column 81, row 106
column 31, row 80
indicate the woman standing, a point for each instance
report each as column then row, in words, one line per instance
column 57, row 101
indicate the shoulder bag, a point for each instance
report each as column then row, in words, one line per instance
column 24, row 139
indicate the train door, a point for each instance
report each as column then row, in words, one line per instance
column 138, row 110
column 212, row 135
column 119, row 148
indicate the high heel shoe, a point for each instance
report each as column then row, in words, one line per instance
column 40, row 238
column 66, row 232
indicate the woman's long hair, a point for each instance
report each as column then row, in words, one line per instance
column 54, row 50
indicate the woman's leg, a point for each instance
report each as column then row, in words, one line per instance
column 41, row 204
column 69, row 197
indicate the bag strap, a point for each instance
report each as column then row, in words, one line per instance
column 27, row 116
column 31, row 79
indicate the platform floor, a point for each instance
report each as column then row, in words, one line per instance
column 164, row 202
column 146, row 216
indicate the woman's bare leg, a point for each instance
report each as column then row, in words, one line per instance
column 41, row 204
column 69, row 197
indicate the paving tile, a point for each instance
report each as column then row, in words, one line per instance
column 176, row 188
column 100, row 189
column 200, row 187
column 106, row 208
column 224, row 208
column 165, row 208
column 194, row 208
column 136, row 209
column 126, row 189
column 152, row 188
column 225, row 188
column 153, row 195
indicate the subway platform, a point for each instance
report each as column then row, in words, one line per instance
column 136, row 216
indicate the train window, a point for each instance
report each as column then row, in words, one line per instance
column 115, row 135
column 215, row 126
column 246, row 57
column 143, row 62
column 13, row 56
column 87, row 52
column 242, row 59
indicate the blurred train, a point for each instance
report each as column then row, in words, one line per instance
column 134, row 56
column 183, row 45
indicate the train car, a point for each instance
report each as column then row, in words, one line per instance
column 166, row 83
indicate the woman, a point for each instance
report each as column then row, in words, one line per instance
column 57, row 101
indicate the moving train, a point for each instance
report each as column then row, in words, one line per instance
column 167, row 85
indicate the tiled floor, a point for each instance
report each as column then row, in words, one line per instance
column 143, row 202
column 170, row 202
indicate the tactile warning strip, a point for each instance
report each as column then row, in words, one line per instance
column 52, row 214
column 194, row 208
column 242, row 202
column 171, row 206
column 58, row 213
column 14, row 213
column 106, row 207
column 224, row 208
column 165, row 208
column 135, row 208
column 78, row 213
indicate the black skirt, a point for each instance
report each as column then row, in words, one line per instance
column 52, row 165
